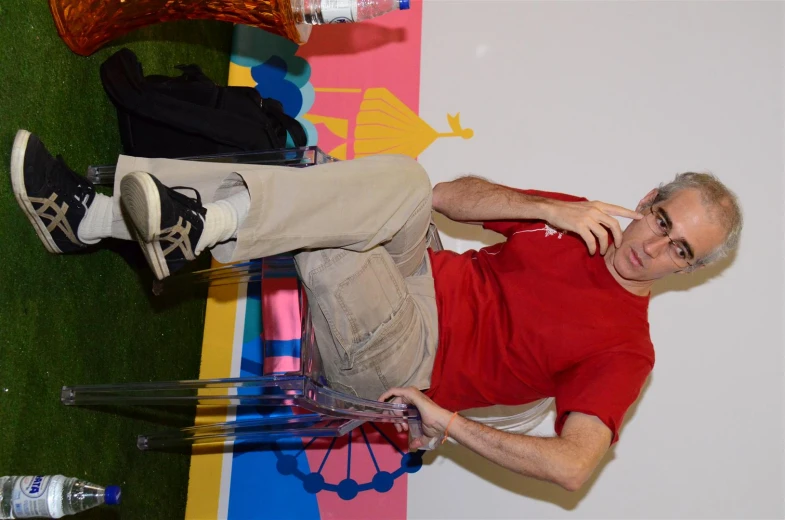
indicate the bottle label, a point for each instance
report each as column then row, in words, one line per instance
column 29, row 497
column 339, row 11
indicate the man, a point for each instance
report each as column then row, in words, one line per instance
column 533, row 317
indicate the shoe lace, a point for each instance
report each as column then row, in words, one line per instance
column 194, row 204
column 76, row 186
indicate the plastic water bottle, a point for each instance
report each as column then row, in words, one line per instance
column 317, row 12
column 51, row 496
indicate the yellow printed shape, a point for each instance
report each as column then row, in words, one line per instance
column 336, row 125
column 240, row 76
column 386, row 125
column 339, row 152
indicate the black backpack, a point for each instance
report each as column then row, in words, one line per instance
column 189, row 115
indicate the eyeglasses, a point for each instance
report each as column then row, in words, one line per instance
column 659, row 225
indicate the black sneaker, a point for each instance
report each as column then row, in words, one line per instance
column 167, row 224
column 54, row 198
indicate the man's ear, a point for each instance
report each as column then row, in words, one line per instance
column 646, row 201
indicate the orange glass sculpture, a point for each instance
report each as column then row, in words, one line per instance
column 86, row 25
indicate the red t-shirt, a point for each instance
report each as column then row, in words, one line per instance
column 537, row 316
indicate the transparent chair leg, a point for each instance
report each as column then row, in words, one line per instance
column 280, row 266
column 291, row 390
column 214, row 391
column 257, row 430
column 245, row 272
column 297, row 157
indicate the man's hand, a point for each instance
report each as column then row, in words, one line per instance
column 434, row 418
column 591, row 220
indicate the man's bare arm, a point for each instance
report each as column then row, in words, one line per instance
column 472, row 199
column 568, row 460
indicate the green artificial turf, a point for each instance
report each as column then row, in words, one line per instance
column 87, row 318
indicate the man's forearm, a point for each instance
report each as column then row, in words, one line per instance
column 567, row 460
column 553, row 459
column 470, row 199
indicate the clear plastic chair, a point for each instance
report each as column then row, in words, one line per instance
column 317, row 410
column 512, row 419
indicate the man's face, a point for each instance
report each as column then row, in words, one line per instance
column 647, row 253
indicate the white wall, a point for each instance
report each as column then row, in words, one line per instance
column 606, row 100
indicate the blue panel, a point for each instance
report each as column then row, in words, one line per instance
column 281, row 347
column 260, row 491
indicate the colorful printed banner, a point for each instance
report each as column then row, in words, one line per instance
column 356, row 91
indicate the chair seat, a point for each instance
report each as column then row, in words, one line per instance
column 304, row 405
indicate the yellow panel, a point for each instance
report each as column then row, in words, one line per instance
column 204, row 482
column 240, row 76
column 338, row 126
column 339, row 152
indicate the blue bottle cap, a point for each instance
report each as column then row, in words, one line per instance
column 112, row 495
column 403, row 5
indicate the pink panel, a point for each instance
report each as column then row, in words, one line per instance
column 281, row 364
column 390, row 505
column 382, row 52
column 280, row 309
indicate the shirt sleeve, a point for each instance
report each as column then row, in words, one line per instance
column 604, row 386
column 508, row 227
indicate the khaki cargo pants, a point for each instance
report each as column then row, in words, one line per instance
column 360, row 228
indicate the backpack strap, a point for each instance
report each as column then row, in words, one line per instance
column 274, row 109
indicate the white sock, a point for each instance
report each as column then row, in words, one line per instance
column 223, row 219
column 97, row 222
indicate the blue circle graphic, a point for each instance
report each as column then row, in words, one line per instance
column 348, row 488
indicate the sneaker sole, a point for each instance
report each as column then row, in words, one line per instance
column 139, row 195
column 20, row 192
column 154, row 256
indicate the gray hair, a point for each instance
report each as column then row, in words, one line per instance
column 722, row 202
